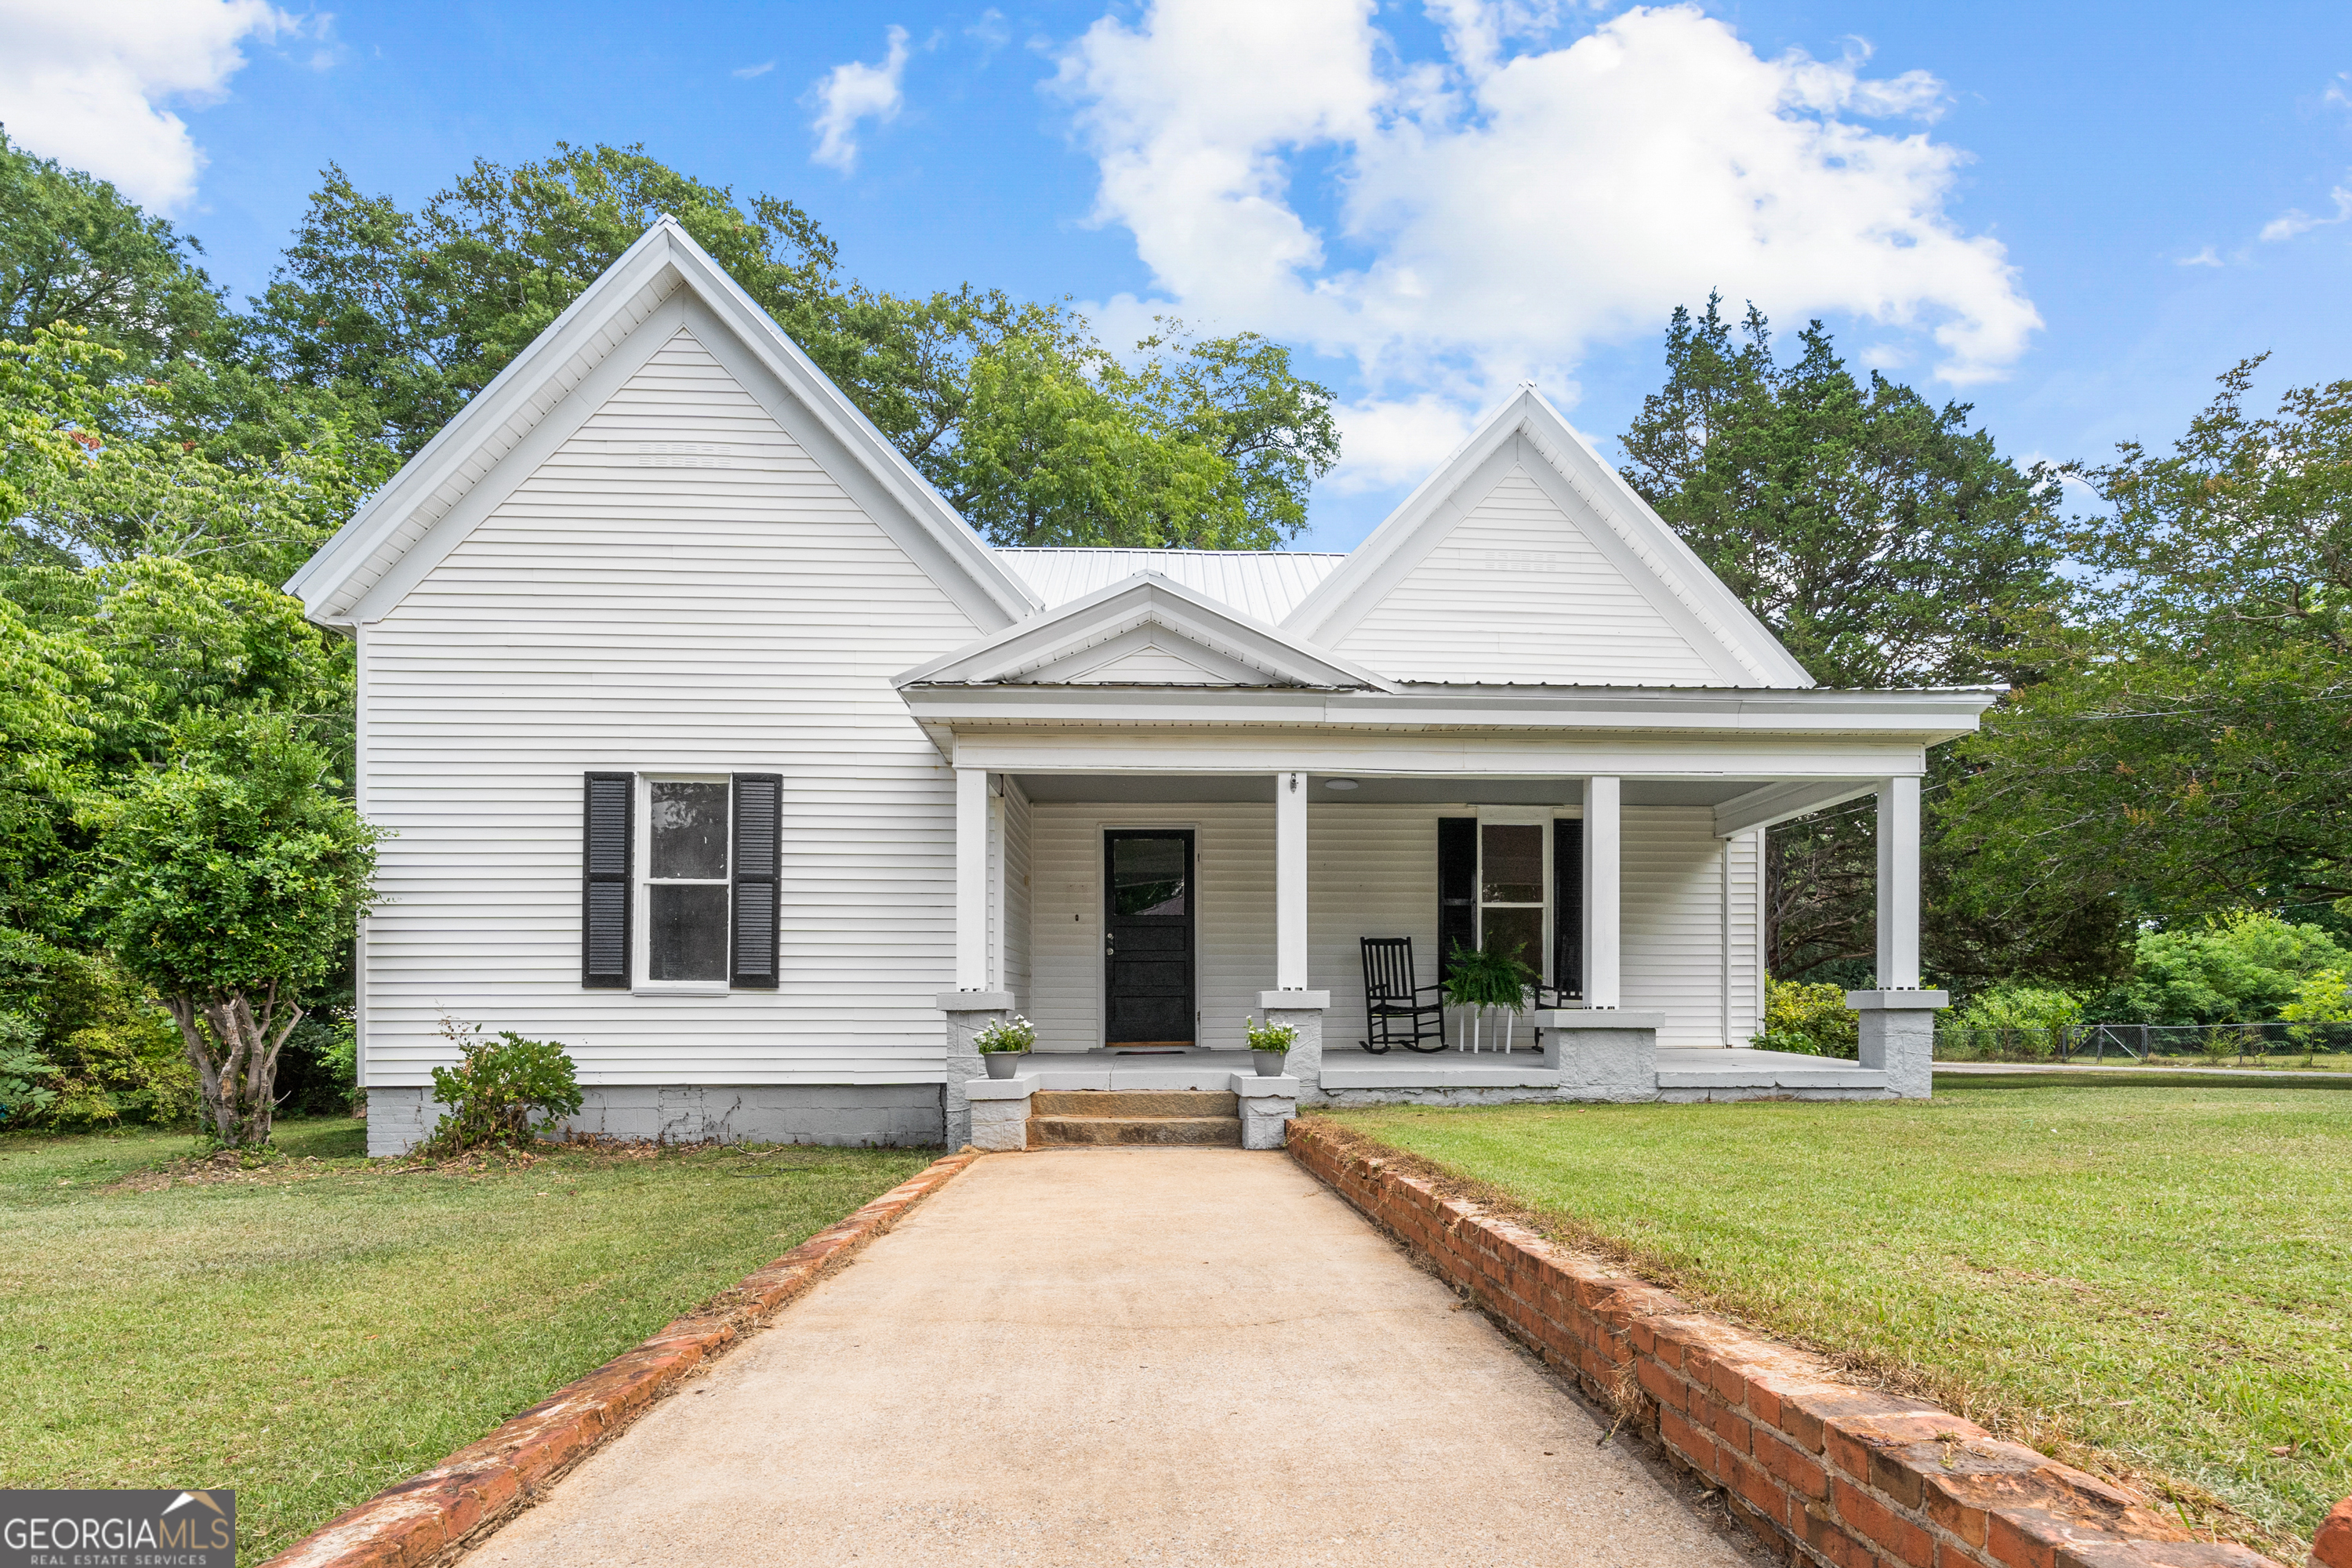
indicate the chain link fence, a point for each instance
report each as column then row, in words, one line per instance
column 2275, row 1043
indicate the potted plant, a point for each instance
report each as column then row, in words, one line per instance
column 1483, row 977
column 1002, row 1042
column 1269, row 1045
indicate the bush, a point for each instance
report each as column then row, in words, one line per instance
column 1809, row 1020
column 498, row 1088
column 2241, row 968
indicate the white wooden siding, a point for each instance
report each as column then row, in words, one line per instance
column 1233, row 877
column 1372, row 871
column 1673, row 961
column 679, row 587
column 1516, row 591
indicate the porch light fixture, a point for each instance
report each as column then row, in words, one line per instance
column 1338, row 783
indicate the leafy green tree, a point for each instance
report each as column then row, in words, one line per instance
column 74, row 252
column 2242, row 966
column 1885, row 541
column 232, row 879
column 2192, row 750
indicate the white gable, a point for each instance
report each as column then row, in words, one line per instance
column 1525, row 560
column 1146, row 631
column 1516, row 591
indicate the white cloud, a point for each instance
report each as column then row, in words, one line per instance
column 2339, row 91
column 2205, row 257
column 852, row 92
column 85, row 83
column 1496, row 212
column 991, row 33
column 748, row 72
column 2294, row 220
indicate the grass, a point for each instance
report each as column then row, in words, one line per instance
column 309, row 1331
column 2153, row 1281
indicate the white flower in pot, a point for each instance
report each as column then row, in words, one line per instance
column 1002, row 1042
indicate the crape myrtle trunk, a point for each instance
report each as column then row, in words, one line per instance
column 234, row 1052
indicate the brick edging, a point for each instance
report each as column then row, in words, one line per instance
column 2332, row 1547
column 427, row 1517
column 1821, row 1469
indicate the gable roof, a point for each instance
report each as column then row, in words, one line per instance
column 440, row 493
column 1597, row 499
column 1163, row 627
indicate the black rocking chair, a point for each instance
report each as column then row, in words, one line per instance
column 1393, row 1008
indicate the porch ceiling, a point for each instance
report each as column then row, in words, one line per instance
column 1168, row 789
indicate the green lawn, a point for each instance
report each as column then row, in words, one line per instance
column 320, row 1328
column 2157, row 1280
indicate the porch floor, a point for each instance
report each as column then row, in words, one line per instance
column 1683, row 1072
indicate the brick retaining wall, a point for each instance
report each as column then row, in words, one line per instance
column 1820, row 1469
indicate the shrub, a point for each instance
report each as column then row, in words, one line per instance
column 1809, row 1020
column 1011, row 1033
column 2239, row 968
column 498, row 1087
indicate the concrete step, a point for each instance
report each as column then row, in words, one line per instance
column 1213, row 1131
column 1131, row 1103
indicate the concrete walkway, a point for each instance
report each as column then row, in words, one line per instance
column 1165, row 1356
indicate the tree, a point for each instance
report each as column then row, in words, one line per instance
column 1885, row 541
column 1011, row 410
column 233, row 878
column 74, row 252
column 2192, row 752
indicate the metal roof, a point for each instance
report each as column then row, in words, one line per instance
column 1263, row 583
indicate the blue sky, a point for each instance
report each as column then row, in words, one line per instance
column 2073, row 216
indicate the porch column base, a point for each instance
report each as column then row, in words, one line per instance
column 1265, row 1104
column 1302, row 1011
column 1602, row 1053
column 1000, row 1112
column 1898, row 1037
column 968, row 1012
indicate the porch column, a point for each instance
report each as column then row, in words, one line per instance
column 971, row 1005
column 1290, row 1003
column 1603, row 902
column 1898, row 1019
column 1898, row 884
column 971, row 880
column 1290, row 882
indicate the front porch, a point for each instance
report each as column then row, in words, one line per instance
column 1632, row 885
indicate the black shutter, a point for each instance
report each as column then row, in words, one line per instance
column 758, row 861
column 1457, row 888
column 1567, row 907
column 606, row 846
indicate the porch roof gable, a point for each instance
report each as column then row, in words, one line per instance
column 1147, row 630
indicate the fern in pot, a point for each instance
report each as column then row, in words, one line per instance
column 1483, row 977
column 1002, row 1042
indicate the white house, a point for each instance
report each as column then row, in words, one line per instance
column 716, row 746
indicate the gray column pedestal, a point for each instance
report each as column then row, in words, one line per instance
column 1265, row 1104
column 1602, row 1053
column 1000, row 1112
column 1302, row 1011
column 1898, row 1037
column 968, row 1012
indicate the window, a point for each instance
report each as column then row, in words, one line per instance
column 687, row 823
column 680, row 875
column 1511, row 889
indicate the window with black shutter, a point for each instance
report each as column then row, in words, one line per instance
column 1568, row 906
column 759, row 866
column 607, row 841
column 1457, row 889
column 681, row 876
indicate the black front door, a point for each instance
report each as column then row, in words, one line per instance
column 1148, row 938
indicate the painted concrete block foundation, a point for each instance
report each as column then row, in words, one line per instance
column 857, row 1115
